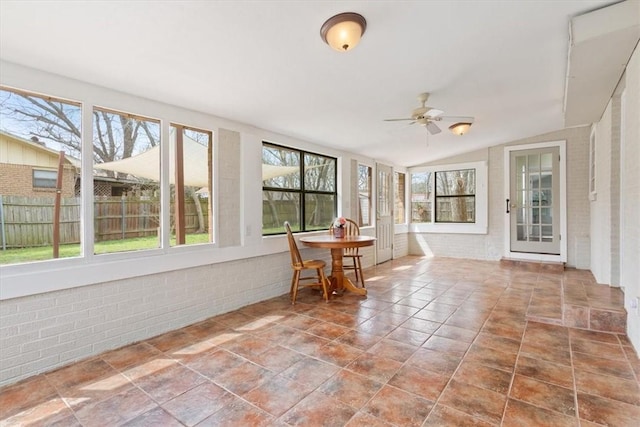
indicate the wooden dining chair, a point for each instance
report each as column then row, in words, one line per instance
column 298, row 265
column 352, row 229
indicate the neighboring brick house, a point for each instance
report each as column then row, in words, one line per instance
column 29, row 168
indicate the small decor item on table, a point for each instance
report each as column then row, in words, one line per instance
column 338, row 227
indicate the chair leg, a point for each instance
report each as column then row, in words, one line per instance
column 323, row 281
column 361, row 273
column 294, row 286
column 355, row 267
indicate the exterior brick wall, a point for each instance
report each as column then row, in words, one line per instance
column 17, row 180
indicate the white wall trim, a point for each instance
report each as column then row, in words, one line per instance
column 562, row 146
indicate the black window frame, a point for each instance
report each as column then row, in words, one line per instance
column 452, row 196
column 301, row 191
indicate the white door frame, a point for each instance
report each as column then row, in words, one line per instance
column 562, row 146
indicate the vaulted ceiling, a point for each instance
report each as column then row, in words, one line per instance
column 263, row 63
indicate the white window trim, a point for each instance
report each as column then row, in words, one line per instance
column 562, row 146
column 481, row 196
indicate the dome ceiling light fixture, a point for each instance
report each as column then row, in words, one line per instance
column 460, row 128
column 343, row 31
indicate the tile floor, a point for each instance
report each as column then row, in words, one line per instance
column 437, row 342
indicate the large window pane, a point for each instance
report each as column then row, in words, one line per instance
column 278, row 207
column 126, row 155
column 319, row 210
column 421, row 189
column 364, row 195
column 190, row 169
column 399, row 198
column 455, row 196
column 40, row 140
column 280, row 167
column 319, row 173
column 308, row 204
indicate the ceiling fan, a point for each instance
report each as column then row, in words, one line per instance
column 427, row 116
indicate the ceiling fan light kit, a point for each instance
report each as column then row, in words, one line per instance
column 343, row 31
column 460, row 128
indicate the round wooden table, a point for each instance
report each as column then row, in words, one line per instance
column 337, row 246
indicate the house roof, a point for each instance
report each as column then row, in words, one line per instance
column 264, row 64
column 37, row 147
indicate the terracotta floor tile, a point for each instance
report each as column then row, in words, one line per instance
column 198, row 403
column 131, row 355
column 606, row 411
column 116, row 410
column 522, row 414
column 418, row 381
column 167, row 383
column 442, row 416
column 171, row 341
column 599, row 365
column 393, row 350
column 550, row 353
column 278, row 394
column 545, row 371
column 398, row 407
column 312, row 411
column 26, row 394
column 238, row 414
column 593, row 335
column 544, row 395
column 408, row 336
column 446, row 345
column 328, row 330
column 497, row 342
column 80, row 373
column 597, row 348
column 491, row 357
column 276, row 359
column 483, row 376
column 375, row 367
column 243, row 378
column 338, row 354
column 47, row 412
column 360, row 340
column 475, row 401
column 247, row 345
column 607, row 386
column 213, row 364
column 353, row 389
column 153, row 418
column 310, row 371
column 435, row 361
column 362, row 419
column 456, row 333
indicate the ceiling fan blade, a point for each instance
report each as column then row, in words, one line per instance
column 432, row 128
column 398, row 120
column 434, row 112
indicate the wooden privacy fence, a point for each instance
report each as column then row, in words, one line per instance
column 28, row 221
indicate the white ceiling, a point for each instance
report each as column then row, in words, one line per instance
column 263, row 63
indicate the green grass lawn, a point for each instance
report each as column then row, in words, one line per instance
column 14, row 256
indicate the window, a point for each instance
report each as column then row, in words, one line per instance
column 455, row 196
column 34, row 129
column 421, row 200
column 364, row 195
column 126, row 152
column 449, row 198
column 298, row 187
column 44, row 178
column 399, row 198
column 191, row 177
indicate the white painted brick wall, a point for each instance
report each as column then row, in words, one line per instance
column 42, row 332
column 400, row 245
column 630, row 209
